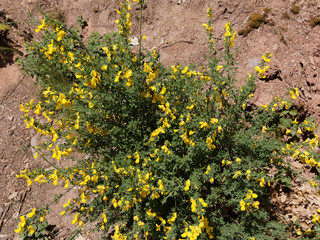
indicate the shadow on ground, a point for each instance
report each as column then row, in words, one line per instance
column 8, row 48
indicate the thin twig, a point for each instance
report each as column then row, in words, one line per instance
column 12, row 90
column 4, row 214
column 181, row 41
column 22, row 200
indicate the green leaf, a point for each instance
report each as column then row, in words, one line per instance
column 285, row 112
column 4, row 27
column 285, row 122
column 286, row 181
column 310, row 119
column 293, row 112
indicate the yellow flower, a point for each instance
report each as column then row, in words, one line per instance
column 75, row 218
column 160, row 184
column 67, row 204
column 21, row 224
column 264, row 128
column 128, row 74
column 262, row 182
column 60, row 35
column 203, row 125
column 43, row 24
column 186, row 188
column 204, row 204
column 256, row 204
column 219, row 67
column 238, row 173
column 31, row 230
column 243, row 205
column 185, row 70
column 266, row 59
column 32, row 213
column 209, row 12
column 190, row 107
column 193, row 205
column 147, row 68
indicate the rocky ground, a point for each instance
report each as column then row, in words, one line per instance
column 287, row 28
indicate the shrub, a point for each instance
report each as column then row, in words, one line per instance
column 314, row 21
column 255, row 21
column 166, row 152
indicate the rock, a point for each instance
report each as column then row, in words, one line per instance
column 161, row 40
column 3, row 237
column 253, row 62
column 34, row 143
column 181, row 1
column 283, row 198
column 79, row 237
column 1, row 211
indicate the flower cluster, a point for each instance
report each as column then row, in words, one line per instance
column 249, row 201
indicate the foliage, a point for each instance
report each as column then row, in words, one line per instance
column 34, row 225
column 162, row 152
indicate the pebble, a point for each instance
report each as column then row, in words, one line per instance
column 13, row 195
column 34, row 143
column 79, row 237
column 4, row 237
column 181, row 1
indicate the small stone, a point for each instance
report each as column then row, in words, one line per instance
column 79, row 237
column 181, row 1
column 13, row 195
column 3, row 237
column 283, row 198
column 253, row 62
column 34, row 143
column 312, row 61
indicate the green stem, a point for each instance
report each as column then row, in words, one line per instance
column 140, row 30
column 41, row 155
